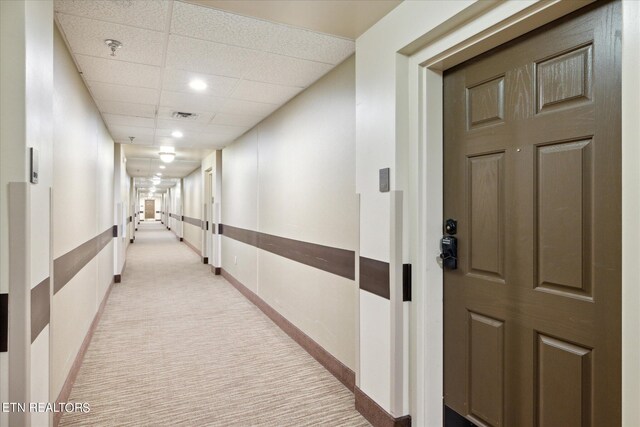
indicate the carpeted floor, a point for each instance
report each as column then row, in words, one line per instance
column 178, row 346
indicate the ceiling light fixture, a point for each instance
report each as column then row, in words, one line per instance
column 167, row 154
column 176, row 134
column 197, row 84
column 113, row 45
column 159, row 174
column 163, row 167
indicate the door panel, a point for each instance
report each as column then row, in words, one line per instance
column 149, row 210
column 532, row 175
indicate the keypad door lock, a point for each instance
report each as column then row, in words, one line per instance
column 449, row 245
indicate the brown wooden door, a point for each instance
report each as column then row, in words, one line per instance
column 149, row 210
column 532, row 175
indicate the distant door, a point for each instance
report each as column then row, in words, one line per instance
column 149, row 210
column 532, row 176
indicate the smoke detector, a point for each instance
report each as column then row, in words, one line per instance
column 113, row 45
column 183, row 115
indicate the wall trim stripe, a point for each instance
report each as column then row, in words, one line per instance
column 339, row 370
column 193, row 221
column 4, row 322
column 375, row 414
column 66, row 266
column 64, row 394
column 40, row 307
column 174, row 216
column 332, row 260
column 374, row 277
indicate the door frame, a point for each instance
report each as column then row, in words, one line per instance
column 419, row 97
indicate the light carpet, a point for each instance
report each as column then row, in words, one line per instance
column 178, row 346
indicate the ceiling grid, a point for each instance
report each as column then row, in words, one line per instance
column 251, row 67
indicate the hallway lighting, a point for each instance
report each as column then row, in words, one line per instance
column 176, row 134
column 163, row 167
column 167, row 154
column 159, row 174
column 197, row 85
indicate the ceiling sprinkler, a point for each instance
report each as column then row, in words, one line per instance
column 113, row 45
column 131, row 138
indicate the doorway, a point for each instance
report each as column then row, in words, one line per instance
column 532, row 319
column 149, row 210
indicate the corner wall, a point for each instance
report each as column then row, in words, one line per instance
column 292, row 177
column 192, row 205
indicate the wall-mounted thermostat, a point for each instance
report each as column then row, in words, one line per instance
column 33, row 154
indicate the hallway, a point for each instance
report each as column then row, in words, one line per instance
column 177, row 345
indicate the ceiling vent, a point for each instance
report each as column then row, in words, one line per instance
column 183, row 115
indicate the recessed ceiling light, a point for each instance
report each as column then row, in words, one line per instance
column 163, row 167
column 176, row 134
column 197, row 84
column 159, row 174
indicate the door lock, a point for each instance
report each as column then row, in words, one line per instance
column 449, row 245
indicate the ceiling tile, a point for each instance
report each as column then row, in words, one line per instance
column 190, row 102
column 119, row 120
column 264, row 92
column 87, row 36
column 120, row 93
column 287, row 71
column 138, row 132
column 183, row 125
column 126, row 108
column 144, row 141
column 223, row 130
column 236, row 119
column 119, row 72
column 178, row 81
column 208, row 57
column 236, row 106
column 222, row 27
column 149, row 14
column 310, row 45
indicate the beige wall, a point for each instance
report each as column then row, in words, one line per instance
column 192, row 206
column 82, row 208
column 292, row 176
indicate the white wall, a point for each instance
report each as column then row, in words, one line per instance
column 192, row 205
column 292, row 176
column 82, row 208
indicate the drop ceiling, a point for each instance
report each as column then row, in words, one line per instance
column 251, row 66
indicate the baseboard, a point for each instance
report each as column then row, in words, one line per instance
column 193, row 248
column 63, row 397
column 375, row 414
column 345, row 375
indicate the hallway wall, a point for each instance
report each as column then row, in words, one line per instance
column 26, row 65
column 292, row 176
column 82, row 210
column 175, row 208
column 192, row 205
